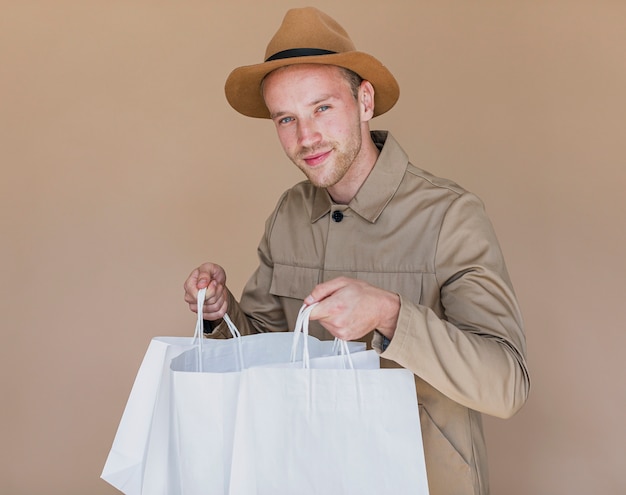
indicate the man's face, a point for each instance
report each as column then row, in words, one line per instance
column 317, row 119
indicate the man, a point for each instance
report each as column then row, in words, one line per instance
column 391, row 254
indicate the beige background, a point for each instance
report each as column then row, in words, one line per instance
column 123, row 168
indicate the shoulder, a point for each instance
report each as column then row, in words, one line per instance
column 429, row 180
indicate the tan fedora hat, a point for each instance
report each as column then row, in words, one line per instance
column 308, row 36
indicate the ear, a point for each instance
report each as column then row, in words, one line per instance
column 366, row 101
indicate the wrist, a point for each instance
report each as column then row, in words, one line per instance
column 389, row 321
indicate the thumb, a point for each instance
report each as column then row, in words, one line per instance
column 324, row 290
column 202, row 279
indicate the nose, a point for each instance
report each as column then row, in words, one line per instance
column 308, row 134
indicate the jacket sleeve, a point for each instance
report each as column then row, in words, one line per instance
column 474, row 352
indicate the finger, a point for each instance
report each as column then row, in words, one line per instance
column 323, row 311
column 205, row 273
column 215, row 312
column 214, row 292
column 192, row 280
column 325, row 289
column 215, row 306
column 204, row 279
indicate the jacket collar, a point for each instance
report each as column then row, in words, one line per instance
column 379, row 187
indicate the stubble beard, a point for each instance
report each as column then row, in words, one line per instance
column 343, row 159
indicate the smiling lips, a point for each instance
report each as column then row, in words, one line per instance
column 316, row 159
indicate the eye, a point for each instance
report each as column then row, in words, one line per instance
column 285, row 120
column 323, row 108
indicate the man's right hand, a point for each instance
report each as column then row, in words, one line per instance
column 213, row 277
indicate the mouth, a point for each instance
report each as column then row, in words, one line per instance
column 316, row 159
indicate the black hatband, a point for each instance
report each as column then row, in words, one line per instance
column 299, row 52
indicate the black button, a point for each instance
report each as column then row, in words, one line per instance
column 337, row 216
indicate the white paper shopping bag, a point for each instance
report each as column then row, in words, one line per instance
column 327, row 431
